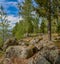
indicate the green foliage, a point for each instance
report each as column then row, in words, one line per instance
column 58, row 28
column 1, row 53
column 26, row 10
column 29, row 24
column 45, row 5
column 54, row 26
column 36, row 23
column 4, row 26
column 1, row 44
column 18, row 30
column 28, row 27
column 14, row 29
column 48, row 9
column 43, row 27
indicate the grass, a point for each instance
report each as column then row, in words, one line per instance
column 1, row 53
column 57, row 43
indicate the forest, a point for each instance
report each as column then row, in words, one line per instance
column 40, row 18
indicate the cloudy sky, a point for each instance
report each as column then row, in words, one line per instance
column 10, row 6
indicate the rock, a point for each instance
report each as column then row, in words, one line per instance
column 57, row 61
column 38, row 59
column 48, row 44
column 7, row 61
column 36, row 52
column 57, row 38
column 53, row 55
column 19, row 51
column 42, row 44
column 50, row 54
column 27, row 52
column 23, row 43
column 35, row 40
column 39, row 46
column 10, row 42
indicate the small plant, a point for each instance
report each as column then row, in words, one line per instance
column 1, row 53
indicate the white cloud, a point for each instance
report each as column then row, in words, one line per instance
column 13, row 20
column 11, row 3
column 6, row 4
column 11, row 17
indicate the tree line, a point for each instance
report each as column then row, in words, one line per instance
column 47, row 10
column 39, row 16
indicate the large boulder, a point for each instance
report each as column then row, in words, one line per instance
column 37, row 52
column 57, row 60
column 38, row 59
column 51, row 55
column 19, row 51
column 49, row 51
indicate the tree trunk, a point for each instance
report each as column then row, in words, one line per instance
column 3, row 33
column 57, row 19
column 49, row 28
column 49, row 20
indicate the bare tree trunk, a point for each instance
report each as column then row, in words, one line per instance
column 57, row 19
column 3, row 32
column 49, row 21
column 49, row 27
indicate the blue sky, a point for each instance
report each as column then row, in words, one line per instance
column 10, row 7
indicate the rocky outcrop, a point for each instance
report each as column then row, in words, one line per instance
column 37, row 52
column 19, row 51
column 38, row 59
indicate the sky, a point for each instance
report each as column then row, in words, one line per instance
column 10, row 7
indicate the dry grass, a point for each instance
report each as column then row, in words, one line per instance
column 57, row 44
column 19, row 61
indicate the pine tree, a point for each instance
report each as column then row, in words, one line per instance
column 25, row 11
column 47, row 9
column 4, row 25
column 19, row 30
